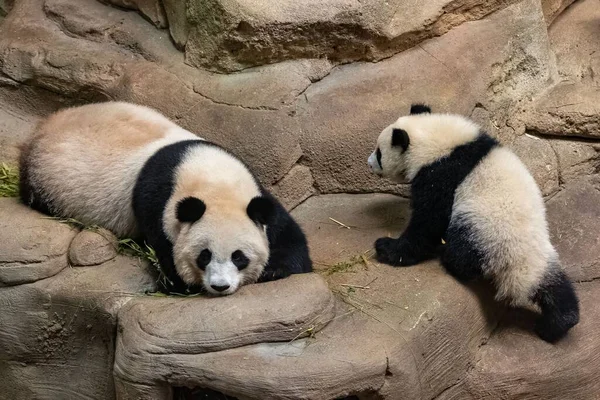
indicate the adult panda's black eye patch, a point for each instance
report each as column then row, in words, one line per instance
column 204, row 259
column 190, row 209
column 400, row 138
column 239, row 259
column 378, row 155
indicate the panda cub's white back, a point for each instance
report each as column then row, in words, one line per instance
column 481, row 201
column 131, row 170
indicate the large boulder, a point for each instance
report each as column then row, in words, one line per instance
column 574, row 38
column 233, row 35
column 34, row 247
column 57, row 336
column 568, row 109
column 515, row 365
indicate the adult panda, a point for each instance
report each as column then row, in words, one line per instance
column 478, row 198
column 133, row 171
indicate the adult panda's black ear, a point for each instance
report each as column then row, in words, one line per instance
column 261, row 210
column 420, row 109
column 400, row 138
column 190, row 209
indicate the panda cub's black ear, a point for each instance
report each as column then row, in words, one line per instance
column 190, row 209
column 400, row 138
column 420, row 109
column 261, row 210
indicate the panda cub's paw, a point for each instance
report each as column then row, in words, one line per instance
column 394, row 252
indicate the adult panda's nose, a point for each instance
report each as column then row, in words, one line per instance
column 220, row 288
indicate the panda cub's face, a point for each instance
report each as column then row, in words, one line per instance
column 222, row 248
column 389, row 158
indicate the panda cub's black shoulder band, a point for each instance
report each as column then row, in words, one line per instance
column 434, row 185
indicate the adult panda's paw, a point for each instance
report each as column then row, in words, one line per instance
column 269, row 275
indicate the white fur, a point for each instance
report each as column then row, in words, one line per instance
column 88, row 173
column 499, row 198
column 504, row 205
column 226, row 186
column 432, row 136
column 86, row 160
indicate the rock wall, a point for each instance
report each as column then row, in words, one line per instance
column 303, row 111
column 301, row 90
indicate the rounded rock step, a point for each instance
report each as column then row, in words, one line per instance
column 34, row 246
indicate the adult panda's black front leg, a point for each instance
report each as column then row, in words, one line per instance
column 287, row 245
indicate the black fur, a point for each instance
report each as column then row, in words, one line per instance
column 461, row 255
column 30, row 195
column 400, row 138
column 378, row 155
column 420, row 109
column 190, row 209
column 559, row 304
column 261, row 210
column 287, row 245
column 152, row 190
column 432, row 192
column 154, row 187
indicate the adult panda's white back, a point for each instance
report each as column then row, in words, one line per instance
column 84, row 161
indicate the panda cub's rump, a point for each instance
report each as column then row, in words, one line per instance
column 481, row 200
column 131, row 170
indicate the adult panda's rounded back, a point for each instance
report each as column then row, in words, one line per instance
column 83, row 162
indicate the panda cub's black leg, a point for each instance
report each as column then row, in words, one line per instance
column 460, row 255
column 405, row 251
column 559, row 304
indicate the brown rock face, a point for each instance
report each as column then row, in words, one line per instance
column 553, row 8
column 300, row 90
column 569, row 109
column 504, row 56
column 57, row 337
column 232, row 35
column 574, row 216
column 92, row 248
column 33, row 246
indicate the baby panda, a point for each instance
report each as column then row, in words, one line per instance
column 478, row 198
column 131, row 170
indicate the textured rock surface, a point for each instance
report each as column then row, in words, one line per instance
column 295, row 187
column 569, row 109
column 553, row 8
column 469, row 65
column 20, row 109
column 305, row 126
column 92, row 248
column 574, row 38
column 33, row 246
column 151, row 9
column 515, row 365
column 57, row 336
column 541, row 160
column 232, row 35
column 416, row 345
column 574, row 217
